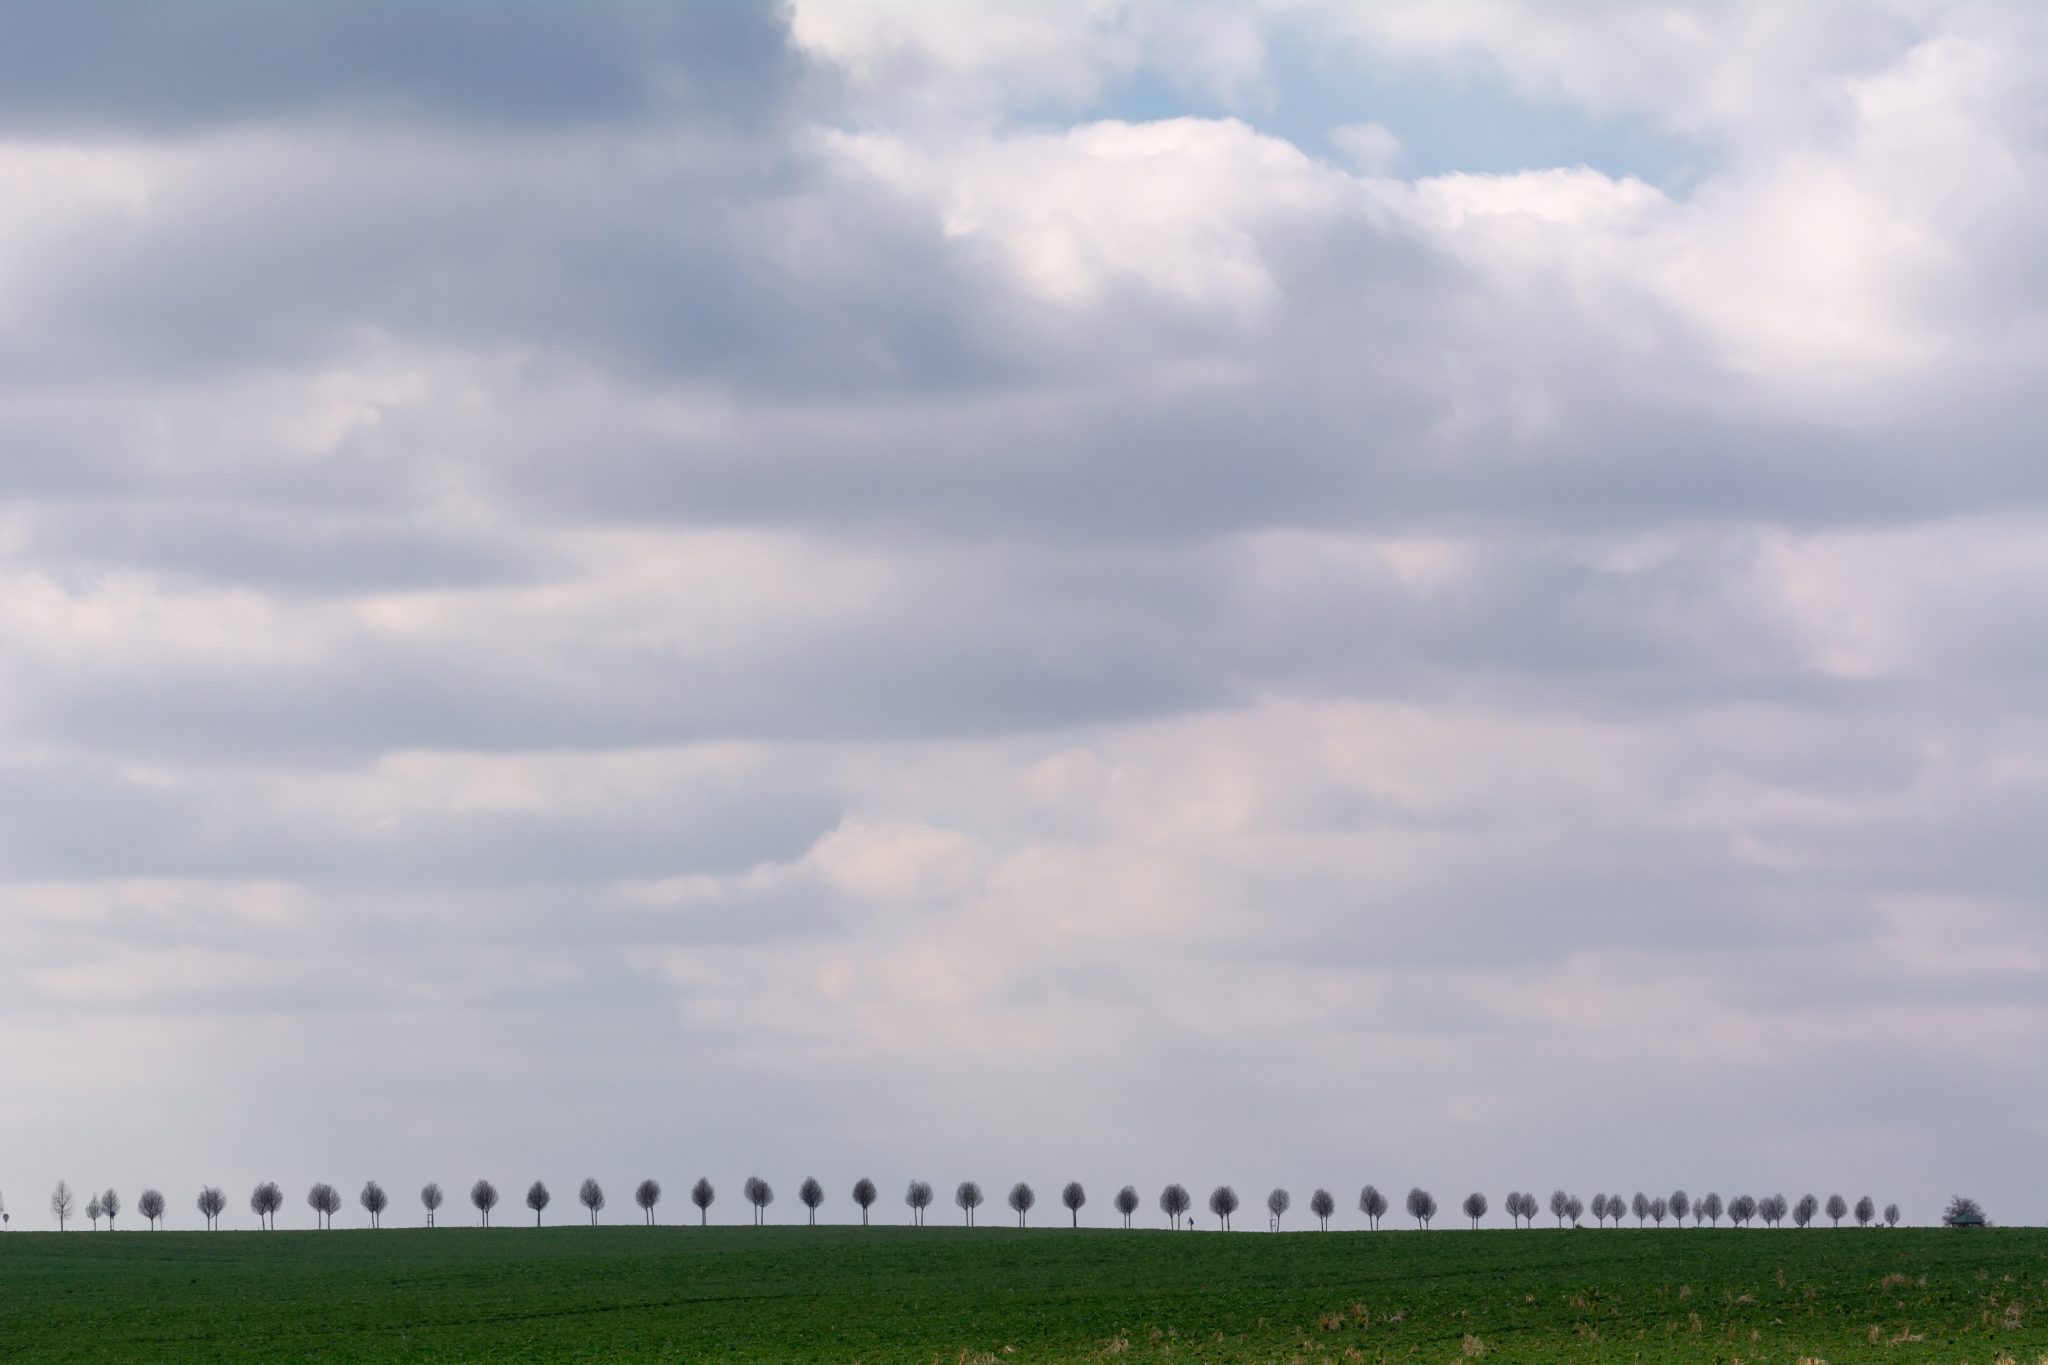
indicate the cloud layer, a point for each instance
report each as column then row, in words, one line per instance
column 702, row 589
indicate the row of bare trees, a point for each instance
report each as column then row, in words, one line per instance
column 1174, row 1201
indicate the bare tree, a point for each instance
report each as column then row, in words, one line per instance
column 919, row 1197
column 93, row 1211
column 431, row 1199
column 110, row 1204
column 1560, row 1205
column 1741, row 1209
column 1891, row 1215
column 1772, row 1209
column 325, row 1201
column 1277, row 1204
column 1866, row 1210
column 1804, row 1212
column 212, row 1203
column 810, row 1194
column 1573, row 1208
column 701, row 1194
column 1640, row 1207
column 1322, row 1204
column 1022, row 1197
column 1222, row 1203
column 590, row 1195
column 1073, row 1196
column 1421, row 1207
column 1681, row 1205
column 484, row 1195
column 1658, row 1208
column 63, row 1204
column 1475, row 1208
column 1616, row 1207
column 968, row 1196
column 150, row 1204
column 760, row 1194
column 264, row 1201
column 1174, row 1202
column 647, row 1194
column 1127, row 1202
column 1373, row 1205
column 1710, row 1205
column 1599, row 1210
column 538, row 1198
column 864, row 1194
column 374, row 1202
column 1838, row 1209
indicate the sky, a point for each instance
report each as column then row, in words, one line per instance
column 1279, row 593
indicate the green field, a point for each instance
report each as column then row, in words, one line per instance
column 896, row 1294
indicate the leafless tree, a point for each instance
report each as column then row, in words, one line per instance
column 1421, row 1207
column 1073, row 1196
column 1658, row 1208
column 968, row 1196
column 374, row 1202
column 1373, row 1205
column 1599, row 1210
column 93, row 1211
column 701, row 1194
column 1322, row 1204
column 150, row 1204
column 431, row 1199
column 264, row 1201
column 1277, row 1204
column 1838, row 1209
column 1223, row 1203
column 1560, row 1205
column 1681, row 1205
column 1804, row 1212
column 1616, row 1208
column 590, row 1195
column 325, row 1201
column 1022, row 1197
column 919, row 1197
column 1773, row 1209
column 647, row 1194
column 864, row 1194
column 1866, row 1210
column 1741, row 1209
column 1891, row 1215
column 1174, row 1202
column 810, row 1194
column 538, row 1198
column 484, row 1195
column 1640, row 1207
column 1127, row 1202
column 212, row 1203
column 110, row 1204
column 1573, row 1208
column 760, row 1194
column 63, row 1204
column 1710, row 1205
column 1475, row 1208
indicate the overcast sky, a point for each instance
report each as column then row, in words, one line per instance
column 1286, row 594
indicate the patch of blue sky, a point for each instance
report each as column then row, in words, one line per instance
column 1446, row 118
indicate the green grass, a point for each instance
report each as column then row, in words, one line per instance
column 896, row 1294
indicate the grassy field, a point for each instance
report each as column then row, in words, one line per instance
column 895, row 1294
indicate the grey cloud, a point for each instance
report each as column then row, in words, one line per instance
column 199, row 63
